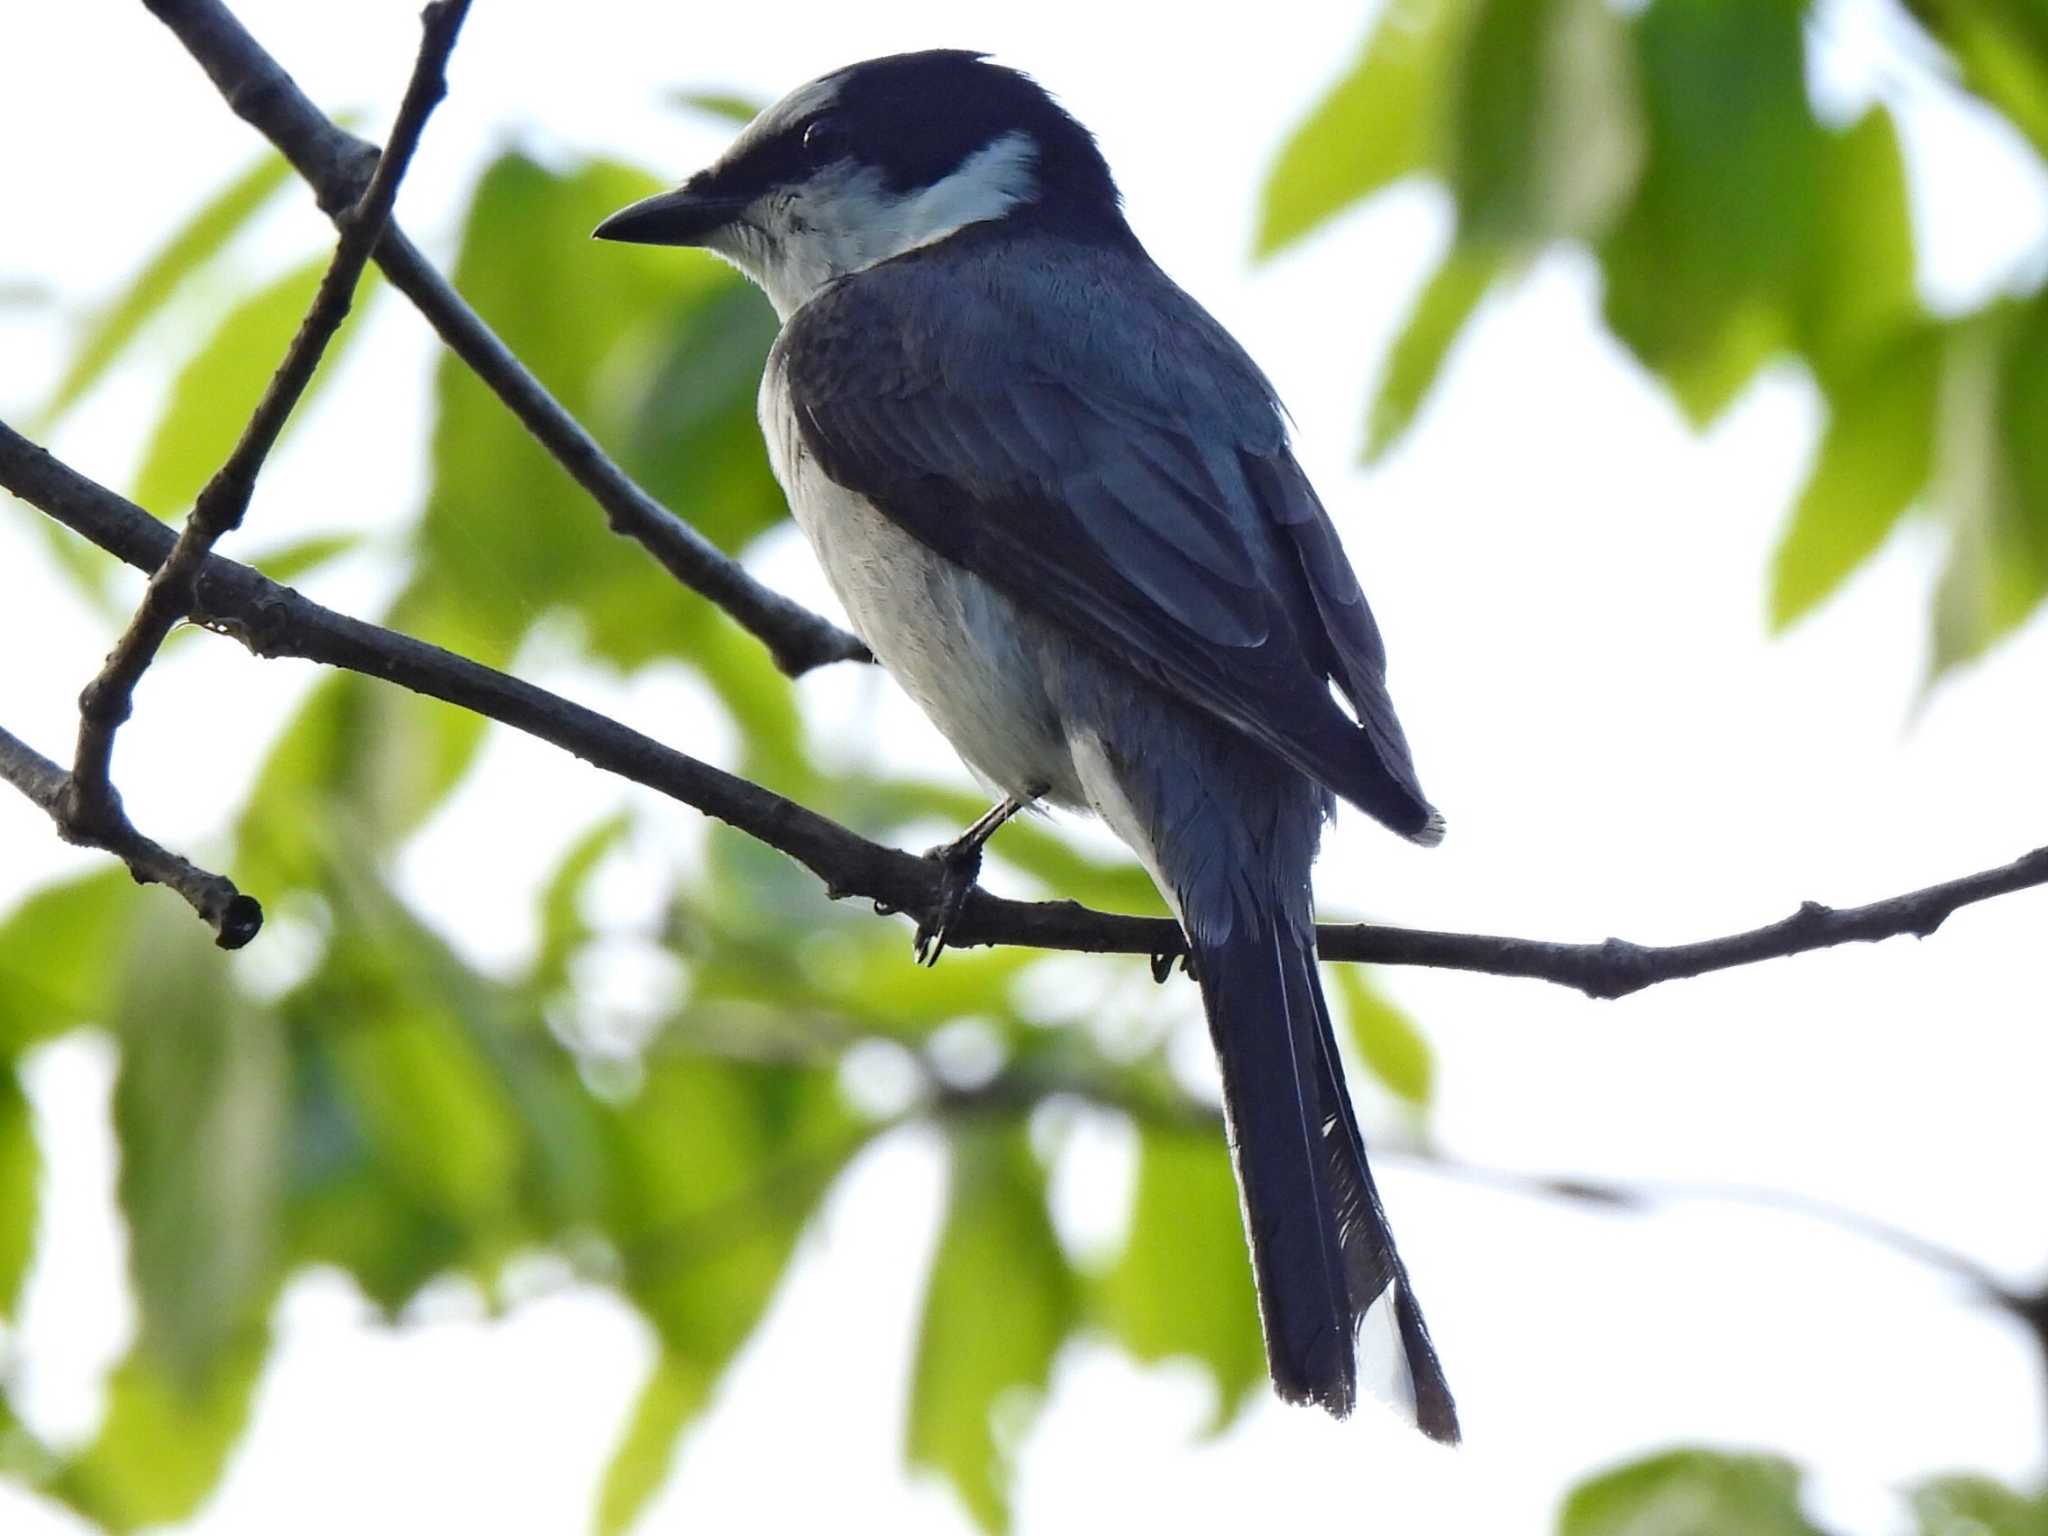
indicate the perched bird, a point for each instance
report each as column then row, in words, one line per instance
column 1057, row 501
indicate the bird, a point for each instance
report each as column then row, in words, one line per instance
column 1059, row 504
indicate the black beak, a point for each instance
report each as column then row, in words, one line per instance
column 690, row 215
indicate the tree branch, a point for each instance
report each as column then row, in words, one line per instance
column 84, row 803
column 88, row 801
column 234, row 917
column 272, row 620
column 335, row 163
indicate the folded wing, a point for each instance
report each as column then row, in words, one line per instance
column 1140, row 494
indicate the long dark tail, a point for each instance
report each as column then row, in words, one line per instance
column 1322, row 1253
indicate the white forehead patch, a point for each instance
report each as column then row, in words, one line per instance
column 795, row 239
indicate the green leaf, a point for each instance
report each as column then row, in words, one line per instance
column 1441, row 311
column 975, row 1387
column 164, row 1442
column 286, row 563
column 1706, row 264
column 1977, row 1506
column 1183, row 1284
column 1386, row 1038
column 1859, row 297
column 55, row 952
column 1546, row 133
column 21, row 1167
column 657, row 352
column 199, row 1116
column 2002, row 46
column 1384, row 120
column 1875, row 458
column 722, row 104
column 357, row 770
column 1995, row 576
column 562, row 928
column 343, row 1204
column 405, row 1026
column 1689, row 1493
column 219, row 386
column 674, row 1394
column 713, row 1170
column 2022, row 417
column 192, row 247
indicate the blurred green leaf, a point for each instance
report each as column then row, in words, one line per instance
column 1382, row 121
column 189, row 249
column 1689, row 1493
column 715, row 1166
column 1183, row 1284
column 1995, row 576
column 1724, row 220
column 358, row 768
column 1386, row 1037
column 2002, row 46
column 975, row 1387
column 218, row 387
column 657, row 352
column 563, row 929
column 2021, row 413
column 763, row 707
column 54, row 973
column 1977, row 1506
column 1859, row 298
column 1875, row 458
column 343, row 1204
column 725, row 104
column 674, row 1394
column 1446, row 303
column 200, row 1119
column 21, row 1169
column 1498, row 123
column 286, row 563
column 164, row 1442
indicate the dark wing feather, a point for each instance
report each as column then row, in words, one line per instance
column 1139, row 494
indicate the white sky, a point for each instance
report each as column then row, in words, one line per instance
column 1572, row 586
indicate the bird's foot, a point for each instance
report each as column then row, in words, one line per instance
column 959, row 866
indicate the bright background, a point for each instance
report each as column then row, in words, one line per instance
column 1572, row 586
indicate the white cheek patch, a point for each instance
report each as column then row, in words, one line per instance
column 795, row 240
column 988, row 184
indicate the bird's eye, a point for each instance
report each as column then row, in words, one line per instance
column 824, row 140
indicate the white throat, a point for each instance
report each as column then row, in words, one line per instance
column 795, row 240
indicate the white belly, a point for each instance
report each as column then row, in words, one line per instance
column 962, row 650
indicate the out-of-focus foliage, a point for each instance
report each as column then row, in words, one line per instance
column 1689, row 1493
column 1719, row 1493
column 402, row 1116
column 1733, row 224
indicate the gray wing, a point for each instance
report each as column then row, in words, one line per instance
column 1120, row 470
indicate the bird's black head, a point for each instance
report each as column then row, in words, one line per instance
column 880, row 158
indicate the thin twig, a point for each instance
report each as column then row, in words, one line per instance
column 234, row 917
column 110, row 697
column 272, row 620
column 85, row 804
column 334, row 163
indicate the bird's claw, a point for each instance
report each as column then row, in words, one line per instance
column 959, row 865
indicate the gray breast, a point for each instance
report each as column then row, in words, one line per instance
column 974, row 662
